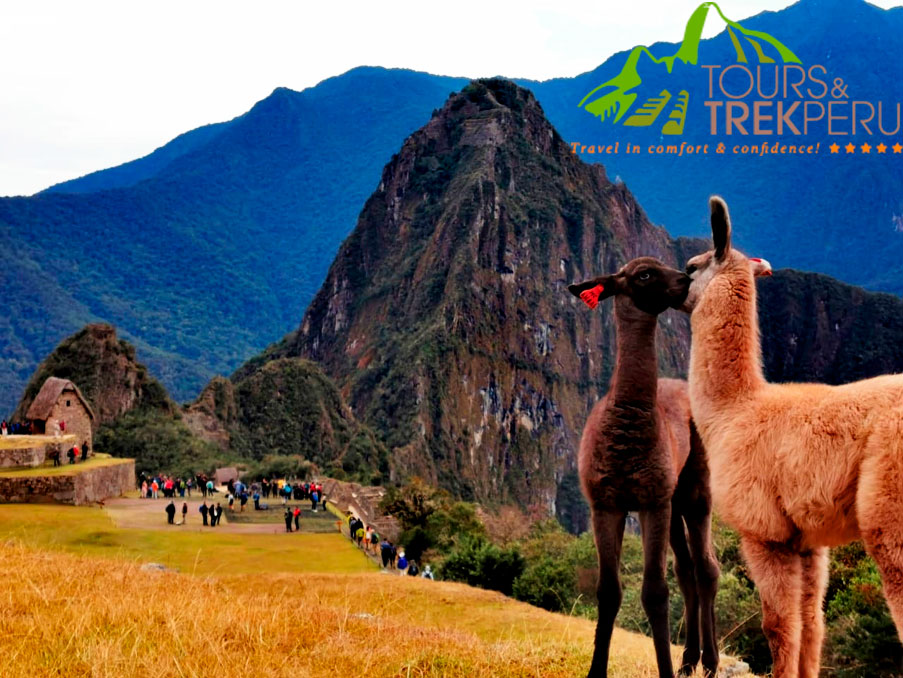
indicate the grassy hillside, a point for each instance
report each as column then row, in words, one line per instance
column 166, row 624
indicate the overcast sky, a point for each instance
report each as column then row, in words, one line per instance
column 93, row 83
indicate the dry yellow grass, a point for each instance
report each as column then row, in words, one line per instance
column 11, row 442
column 71, row 615
column 66, row 469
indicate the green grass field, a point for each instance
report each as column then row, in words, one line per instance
column 90, row 531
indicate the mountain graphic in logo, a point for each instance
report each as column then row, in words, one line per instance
column 615, row 98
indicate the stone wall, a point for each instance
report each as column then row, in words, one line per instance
column 363, row 501
column 23, row 456
column 69, row 408
column 82, row 487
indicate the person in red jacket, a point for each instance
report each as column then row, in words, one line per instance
column 297, row 514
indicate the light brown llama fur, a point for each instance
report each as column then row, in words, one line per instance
column 796, row 468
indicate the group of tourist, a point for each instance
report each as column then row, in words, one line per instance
column 286, row 490
column 393, row 559
column 210, row 515
column 237, row 492
column 16, row 428
column 151, row 487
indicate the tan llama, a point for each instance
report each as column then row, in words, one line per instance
column 796, row 468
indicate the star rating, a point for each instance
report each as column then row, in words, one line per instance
column 881, row 148
column 850, row 148
column 897, row 147
column 834, row 148
column 866, row 148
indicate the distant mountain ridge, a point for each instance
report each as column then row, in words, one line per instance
column 210, row 248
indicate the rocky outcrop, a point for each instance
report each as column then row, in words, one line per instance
column 79, row 487
column 445, row 318
column 106, row 371
column 213, row 413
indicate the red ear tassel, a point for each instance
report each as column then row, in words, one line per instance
column 590, row 297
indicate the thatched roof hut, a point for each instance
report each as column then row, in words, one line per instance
column 42, row 406
column 223, row 475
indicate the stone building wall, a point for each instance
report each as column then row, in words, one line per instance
column 69, row 408
column 82, row 487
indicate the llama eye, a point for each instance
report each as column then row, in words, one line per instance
column 645, row 275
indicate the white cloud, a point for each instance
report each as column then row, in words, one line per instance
column 95, row 83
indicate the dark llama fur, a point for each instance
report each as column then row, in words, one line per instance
column 640, row 452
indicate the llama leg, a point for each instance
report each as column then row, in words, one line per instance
column 706, row 570
column 814, row 583
column 608, row 528
column 879, row 505
column 683, row 570
column 656, row 526
column 776, row 570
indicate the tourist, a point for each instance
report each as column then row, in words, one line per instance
column 243, row 499
column 144, row 489
column 231, row 499
column 76, row 452
column 359, row 534
column 402, row 564
column 297, row 514
column 155, row 488
column 393, row 555
column 288, row 519
column 256, row 501
column 218, row 513
column 413, row 570
column 181, row 488
column 84, row 450
column 3, row 428
column 314, row 499
column 427, row 572
column 71, row 455
column 202, row 509
column 210, row 488
column 184, row 512
column 374, row 541
column 170, row 512
column 286, row 492
column 386, row 552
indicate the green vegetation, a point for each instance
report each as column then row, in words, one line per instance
column 288, row 413
column 158, row 442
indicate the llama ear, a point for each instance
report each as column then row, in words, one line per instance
column 591, row 291
column 721, row 227
column 759, row 267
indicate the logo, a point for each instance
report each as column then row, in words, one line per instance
column 614, row 100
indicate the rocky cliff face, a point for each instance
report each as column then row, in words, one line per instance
column 445, row 318
column 106, row 370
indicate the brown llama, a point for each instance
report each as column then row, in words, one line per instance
column 640, row 452
column 796, row 468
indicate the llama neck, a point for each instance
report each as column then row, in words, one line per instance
column 635, row 377
column 725, row 354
